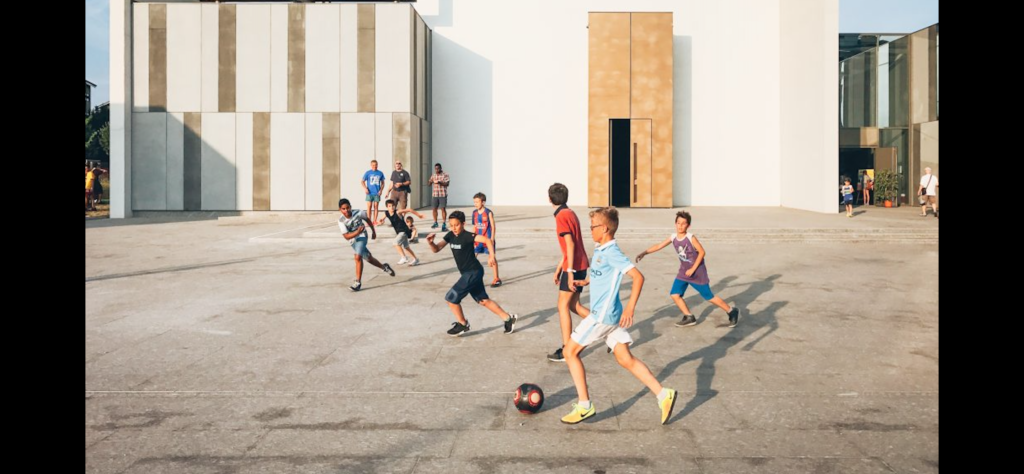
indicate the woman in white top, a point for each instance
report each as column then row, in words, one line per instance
column 929, row 191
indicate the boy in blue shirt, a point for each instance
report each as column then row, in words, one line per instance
column 373, row 185
column 608, row 320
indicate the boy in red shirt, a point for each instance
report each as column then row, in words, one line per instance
column 572, row 266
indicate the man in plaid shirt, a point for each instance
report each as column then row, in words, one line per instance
column 439, row 184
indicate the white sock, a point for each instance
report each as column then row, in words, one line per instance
column 584, row 404
column 662, row 394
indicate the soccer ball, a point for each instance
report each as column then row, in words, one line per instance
column 529, row 398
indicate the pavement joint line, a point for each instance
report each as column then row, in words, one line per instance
column 292, row 230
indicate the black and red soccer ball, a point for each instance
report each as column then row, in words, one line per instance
column 528, row 398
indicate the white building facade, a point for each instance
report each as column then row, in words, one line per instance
column 495, row 91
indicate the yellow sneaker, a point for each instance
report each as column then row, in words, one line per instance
column 666, row 405
column 578, row 414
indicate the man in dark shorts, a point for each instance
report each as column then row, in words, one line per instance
column 400, row 187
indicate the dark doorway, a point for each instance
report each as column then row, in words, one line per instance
column 619, row 175
column 852, row 161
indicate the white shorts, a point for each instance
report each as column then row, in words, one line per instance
column 590, row 331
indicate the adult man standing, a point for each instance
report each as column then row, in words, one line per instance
column 400, row 187
column 929, row 192
column 373, row 186
column 439, row 188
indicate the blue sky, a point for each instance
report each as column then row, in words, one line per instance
column 887, row 16
column 97, row 41
column 855, row 16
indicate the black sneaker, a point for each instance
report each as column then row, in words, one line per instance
column 458, row 328
column 389, row 270
column 556, row 356
column 434, row 226
column 688, row 320
column 734, row 316
column 510, row 323
column 356, row 285
column 496, row 283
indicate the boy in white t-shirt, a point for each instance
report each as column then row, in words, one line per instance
column 353, row 227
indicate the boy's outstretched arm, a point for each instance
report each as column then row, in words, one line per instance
column 653, row 249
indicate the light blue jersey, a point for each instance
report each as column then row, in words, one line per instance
column 607, row 267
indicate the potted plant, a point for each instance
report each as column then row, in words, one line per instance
column 887, row 184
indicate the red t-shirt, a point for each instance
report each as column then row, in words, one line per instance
column 567, row 223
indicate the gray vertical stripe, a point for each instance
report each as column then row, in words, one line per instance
column 401, row 133
column 193, row 161
column 296, row 58
column 261, row 161
column 157, row 58
column 331, row 160
column 226, row 58
column 366, row 59
column 412, row 60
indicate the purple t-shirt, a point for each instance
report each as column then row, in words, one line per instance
column 687, row 255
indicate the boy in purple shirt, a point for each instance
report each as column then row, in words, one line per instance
column 692, row 271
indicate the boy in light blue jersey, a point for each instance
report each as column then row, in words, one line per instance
column 608, row 320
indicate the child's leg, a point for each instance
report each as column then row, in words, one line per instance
column 359, row 268
column 636, row 367
column 373, row 261
column 720, row 303
column 401, row 253
column 495, row 308
column 678, row 300
column 579, row 374
column 564, row 318
column 496, row 277
column 678, row 290
column 457, row 311
column 409, row 252
column 705, row 292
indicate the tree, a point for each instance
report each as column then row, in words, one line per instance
column 97, row 135
column 105, row 140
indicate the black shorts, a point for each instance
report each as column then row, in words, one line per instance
column 471, row 283
column 563, row 281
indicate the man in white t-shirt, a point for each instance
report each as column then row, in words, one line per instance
column 929, row 192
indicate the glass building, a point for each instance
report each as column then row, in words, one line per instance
column 889, row 109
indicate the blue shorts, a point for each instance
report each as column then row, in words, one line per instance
column 679, row 287
column 482, row 248
column 848, row 199
column 470, row 283
column 359, row 247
